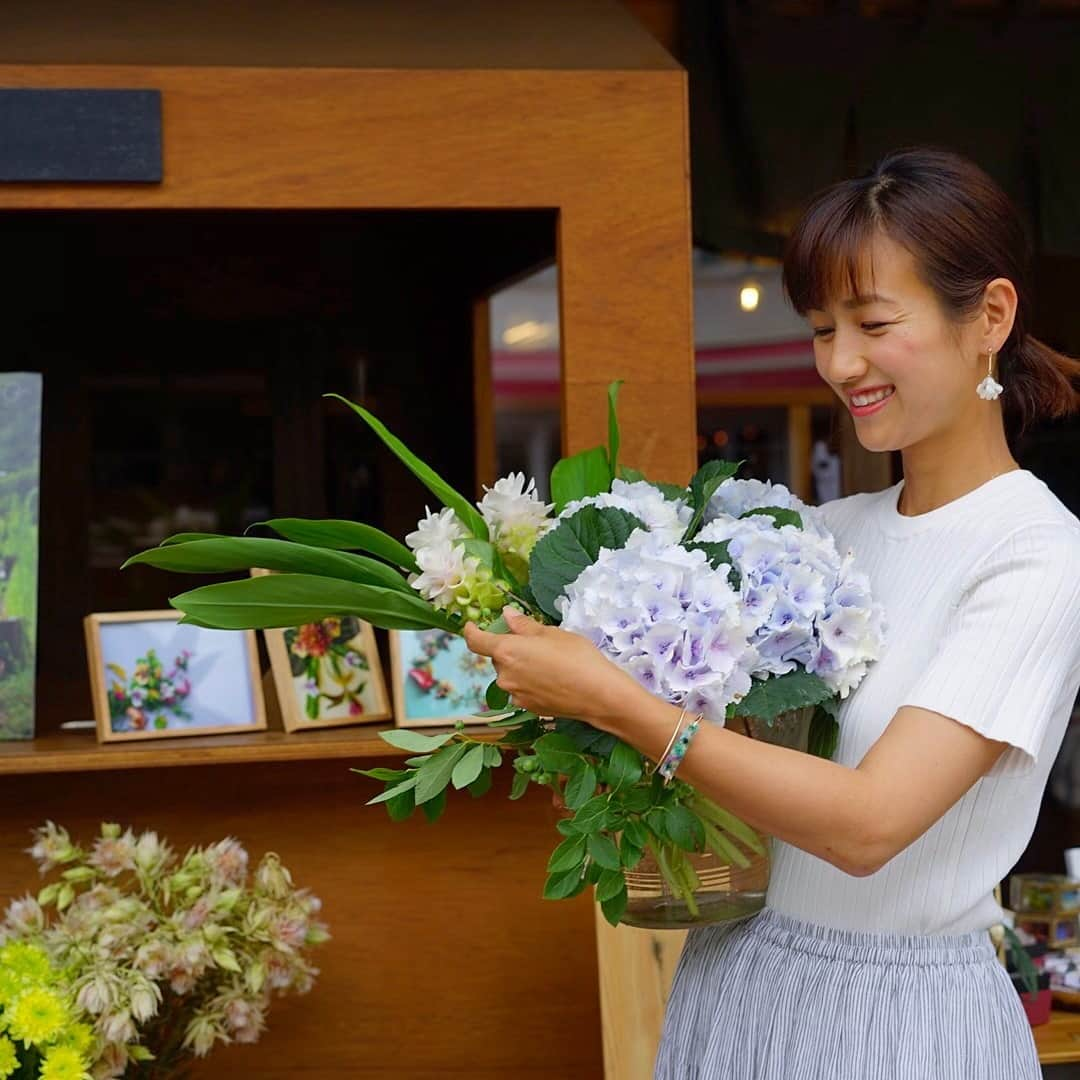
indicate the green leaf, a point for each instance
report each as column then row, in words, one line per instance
column 342, row 536
column 496, row 697
column 558, row 753
column 589, row 740
column 631, row 476
column 519, row 785
column 562, row 885
column 611, row 881
column 624, row 767
column 559, row 557
column 684, row 828
column 492, row 756
column 580, row 788
column 593, row 816
column 636, row 832
column 718, row 556
column 413, row 741
column 656, row 820
column 468, row 767
column 637, row 800
column 603, row 851
column 569, row 855
column 613, row 429
column 824, row 734
column 185, row 537
column 434, row 807
column 402, row 807
column 780, row 514
column 382, row 774
column 768, row 698
column 466, row 512
column 629, row 853
column 435, row 773
column 289, row 600
column 481, row 785
column 392, row 792
column 672, row 492
column 229, row 553
column 615, row 907
column 702, row 488
column 582, row 474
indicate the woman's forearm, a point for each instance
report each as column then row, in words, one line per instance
column 816, row 805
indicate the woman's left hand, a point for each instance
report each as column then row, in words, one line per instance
column 552, row 672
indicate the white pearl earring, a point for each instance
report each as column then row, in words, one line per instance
column 989, row 388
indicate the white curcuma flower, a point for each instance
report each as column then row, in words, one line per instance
column 453, row 580
column 436, row 530
column 811, row 608
column 516, row 517
column 670, row 619
column 659, row 514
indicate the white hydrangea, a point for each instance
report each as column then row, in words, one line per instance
column 734, row 497
column 811, row 607
column 666, row 616
column 666, row 517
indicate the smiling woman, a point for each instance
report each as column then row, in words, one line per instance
column 872, row 957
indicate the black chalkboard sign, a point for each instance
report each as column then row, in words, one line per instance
column 76, row 136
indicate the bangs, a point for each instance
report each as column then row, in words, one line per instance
column 828, row 255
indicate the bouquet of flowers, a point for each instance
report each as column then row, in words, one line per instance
column 43, row 1032
column 160, row 957
column 727, row 596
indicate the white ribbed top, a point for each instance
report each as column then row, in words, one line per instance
column 982, row 614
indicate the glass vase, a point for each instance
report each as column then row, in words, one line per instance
column 672, row 889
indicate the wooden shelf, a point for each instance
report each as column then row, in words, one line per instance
column 1058, row 1041
column 81, row 752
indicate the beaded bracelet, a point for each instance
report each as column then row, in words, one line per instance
column 674, row 758
column 671, row 741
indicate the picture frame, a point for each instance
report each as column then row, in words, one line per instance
column 153, row 677
column 437, row 679
column 349, row 687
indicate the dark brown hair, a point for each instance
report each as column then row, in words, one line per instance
column 963, row 232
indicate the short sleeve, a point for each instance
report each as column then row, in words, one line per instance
column 1009, row 660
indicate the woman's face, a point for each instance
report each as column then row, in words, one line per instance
column 897, row 342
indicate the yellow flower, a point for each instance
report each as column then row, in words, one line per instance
column 80, row 1037
column 64, row 1063
column 22, row 965
column 37, row 1016
column 26, row 962
column 9, row 1059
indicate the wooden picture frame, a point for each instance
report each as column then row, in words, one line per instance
column 403, row 646
column 130, row 707
column 295, row 704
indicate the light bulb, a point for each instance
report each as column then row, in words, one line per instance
column 749, row 297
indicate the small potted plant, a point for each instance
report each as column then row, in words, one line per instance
column 1032, row 985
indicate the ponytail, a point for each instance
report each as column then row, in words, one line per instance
column 1040, row 384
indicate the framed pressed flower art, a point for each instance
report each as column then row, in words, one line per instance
column 152, row 677
column 437, row 679
column 327, row 674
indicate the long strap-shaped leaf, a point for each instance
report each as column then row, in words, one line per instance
column 284, row 600
column 461, row 506
column 222, row 554
column 343, row 536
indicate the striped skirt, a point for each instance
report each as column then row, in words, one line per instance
column 777, row 998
